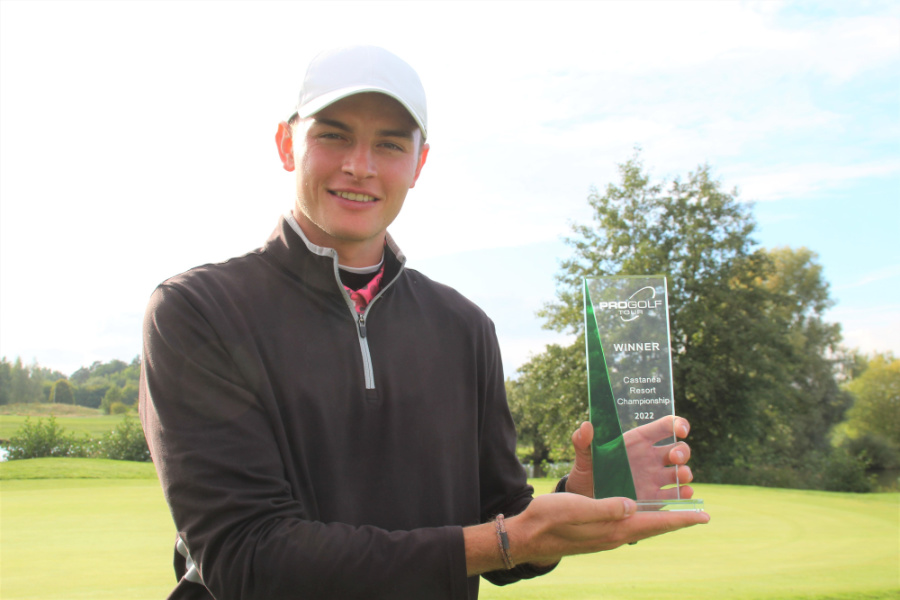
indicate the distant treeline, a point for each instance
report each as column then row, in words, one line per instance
column 111, row 386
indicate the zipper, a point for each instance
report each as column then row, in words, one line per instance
column 361, row 331
column 368, row 370
column 360, row 320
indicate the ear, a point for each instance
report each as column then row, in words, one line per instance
column 285, row 146
column 422, row 157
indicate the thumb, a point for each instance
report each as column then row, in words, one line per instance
column 581, row 479
column 581, row 440
column 615, row 509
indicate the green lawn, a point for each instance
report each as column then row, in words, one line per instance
column 94, row 425
column 95, row 535
column 95, row 538
column 761, row 544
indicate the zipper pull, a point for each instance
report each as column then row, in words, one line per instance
column 362, row 326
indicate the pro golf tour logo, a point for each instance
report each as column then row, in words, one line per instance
column 642, row 300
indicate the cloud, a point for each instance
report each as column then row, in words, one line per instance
column 845, row 48
column 878, row 276
column 872, row 329
column 517, row 351
column 160, row 155
column 802, row 180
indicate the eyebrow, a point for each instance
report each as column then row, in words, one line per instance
column 395, row 133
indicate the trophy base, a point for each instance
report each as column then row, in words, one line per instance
column 688, row 505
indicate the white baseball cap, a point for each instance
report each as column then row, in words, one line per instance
column 336, row 74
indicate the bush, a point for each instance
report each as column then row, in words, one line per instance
column 61, row 392
column 842, row 472
column 126, row 442
column 876, row 451
column 117, row 408
column 761, row 474
column 834, row 471
column 113, row 396
column 40, row 439
column 90, row 395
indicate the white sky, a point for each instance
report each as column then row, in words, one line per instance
column 137, row 140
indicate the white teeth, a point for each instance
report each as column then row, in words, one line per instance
column 355, row 197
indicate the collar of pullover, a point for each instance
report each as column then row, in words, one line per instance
column 317, row 265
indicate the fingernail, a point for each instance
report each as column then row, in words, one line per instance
column 679, row 456
column 630, row 507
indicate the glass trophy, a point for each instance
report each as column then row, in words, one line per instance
column 630, row 390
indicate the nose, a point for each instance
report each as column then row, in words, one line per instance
column 359, row 162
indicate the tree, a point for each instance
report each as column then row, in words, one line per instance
column 113, row 396
column 94, row 382
column 90, row 395
column 699, row 236
column 23, row 387
column 808, row 400
column 130, row 393
column 547, row 404
column 62, row 392
column 748, row 340
column 876, row 408
column 106, row 371
column 88, row 385
column 45, row 374
column 5, row 382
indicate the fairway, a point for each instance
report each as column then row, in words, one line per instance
column 761, row 544
column 85, row 538
column 94, row 426
column 108, row 538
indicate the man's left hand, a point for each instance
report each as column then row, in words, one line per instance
column 649, row 464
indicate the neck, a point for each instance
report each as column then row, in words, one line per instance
column 354, row 256
column 351, row 253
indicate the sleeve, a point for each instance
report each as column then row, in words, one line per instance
column 504, row 485
column 223, row 476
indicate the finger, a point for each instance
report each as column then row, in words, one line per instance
column 673, row 475
column 660, row 429
column 653, row 523
column 682, row 427
column 668, row 476
column 582, row 438
column 613, row 509
column 663, row 476
column 575, row 510
column 581, row 479
column 683, row 492
column 648, row 524
column 678, row 454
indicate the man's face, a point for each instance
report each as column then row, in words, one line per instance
column 355, row 162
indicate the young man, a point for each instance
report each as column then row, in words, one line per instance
column 328, row 424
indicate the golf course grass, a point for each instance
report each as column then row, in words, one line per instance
column 761, row 544
column 93, row 537
column 98, row 529
column 89, row 422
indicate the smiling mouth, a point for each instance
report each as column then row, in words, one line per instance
column 353, row 197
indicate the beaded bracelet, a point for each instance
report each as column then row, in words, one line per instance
column 503, row 540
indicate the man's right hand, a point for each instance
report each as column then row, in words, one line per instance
column 557, row 525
